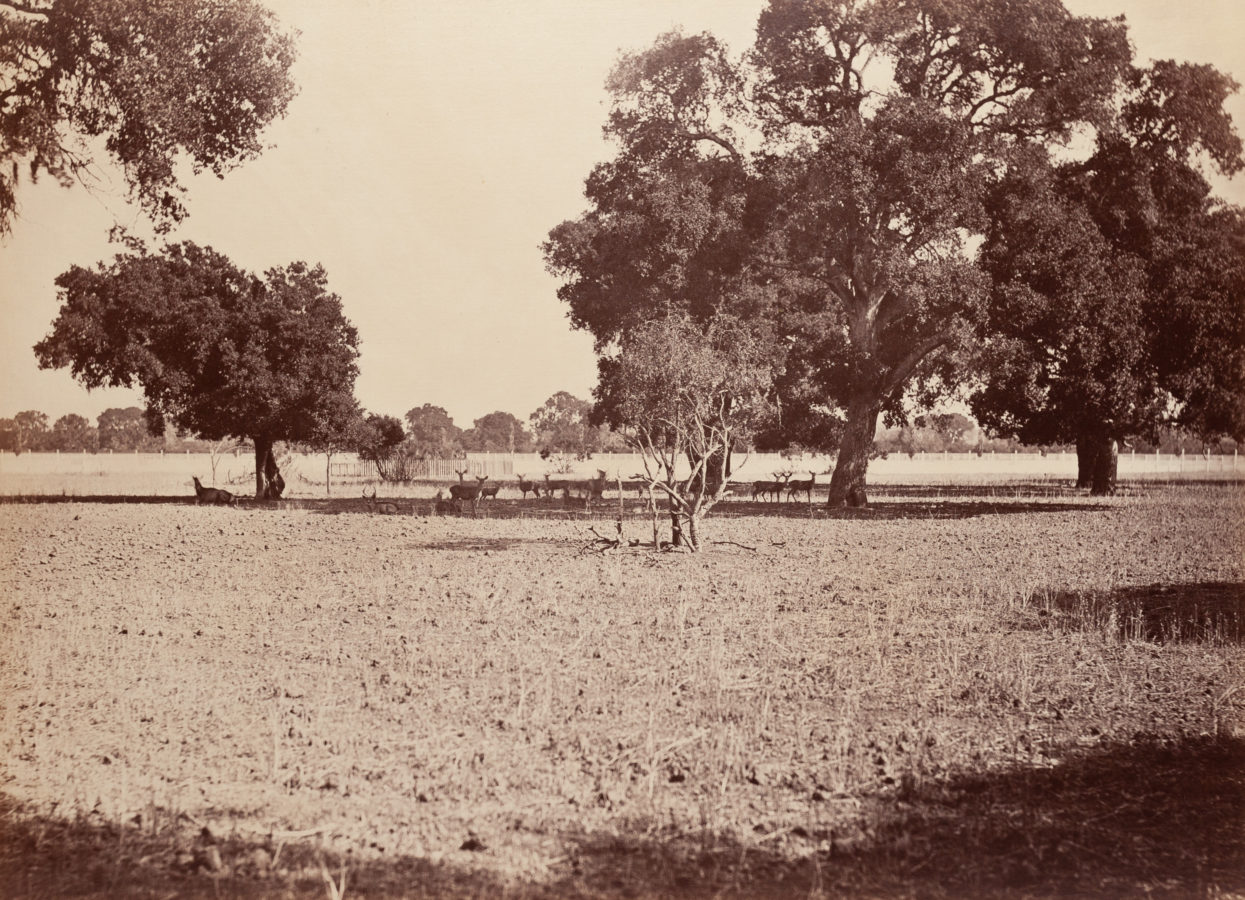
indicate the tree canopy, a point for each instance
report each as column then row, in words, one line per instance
column 835, row 181
column 216, row 350
column 157, row 82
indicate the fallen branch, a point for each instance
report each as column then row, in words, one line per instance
column 735, row 544
column 604, row 544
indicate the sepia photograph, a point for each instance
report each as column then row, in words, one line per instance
column 622, row 449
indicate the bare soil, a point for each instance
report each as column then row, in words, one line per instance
column 985, row 694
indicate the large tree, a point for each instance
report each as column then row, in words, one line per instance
column 216, row 350
column 1118, row 281
column 833, row 182
column 157, row 82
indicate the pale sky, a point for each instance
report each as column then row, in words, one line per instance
column 430, row 150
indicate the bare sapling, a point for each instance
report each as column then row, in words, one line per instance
column 213, row 496
column 687, row 394
column 384, row 507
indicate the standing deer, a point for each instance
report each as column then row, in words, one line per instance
column 552, row 486
column 596, row 486
column 771, row 488
column 384, row 507
column 213, row 496
column 463, row 491
column 525, row 486
column 796, row 487
column 490, row 492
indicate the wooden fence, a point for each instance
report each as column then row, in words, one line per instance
column 495, row 466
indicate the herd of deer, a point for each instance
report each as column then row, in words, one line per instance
column 574, row 493
column 783, row 482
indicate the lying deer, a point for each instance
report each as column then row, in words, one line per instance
column 213, row 496
column 442, row 506
column 384, row 507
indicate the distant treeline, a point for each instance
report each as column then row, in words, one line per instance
column 560, row 426
column 117, row 430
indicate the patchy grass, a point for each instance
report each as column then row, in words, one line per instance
column 986, row 694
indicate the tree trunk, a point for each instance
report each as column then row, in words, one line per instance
column 263, row 449
column 269, row 484
column 692, row 533
column 1106, row 468
column 1097, row 463
column 847, row 484
column 676, row 527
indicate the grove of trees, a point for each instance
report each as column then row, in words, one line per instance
column 836, row 184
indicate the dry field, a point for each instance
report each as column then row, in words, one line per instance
column 971, row 695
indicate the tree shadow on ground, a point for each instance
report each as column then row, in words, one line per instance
column 1210, row 612
column 963, row 508
column 1156, row 817
column 960, row 504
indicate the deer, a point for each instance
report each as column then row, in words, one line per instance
column 463, row 491
column 490, row 492
column 525, row 486
column 773, row 488
column 552, row 486
column 384, row 507
column 213, row 496
column 796, row 487
column 440, row 505
column 636, row 483
column 596, row 486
